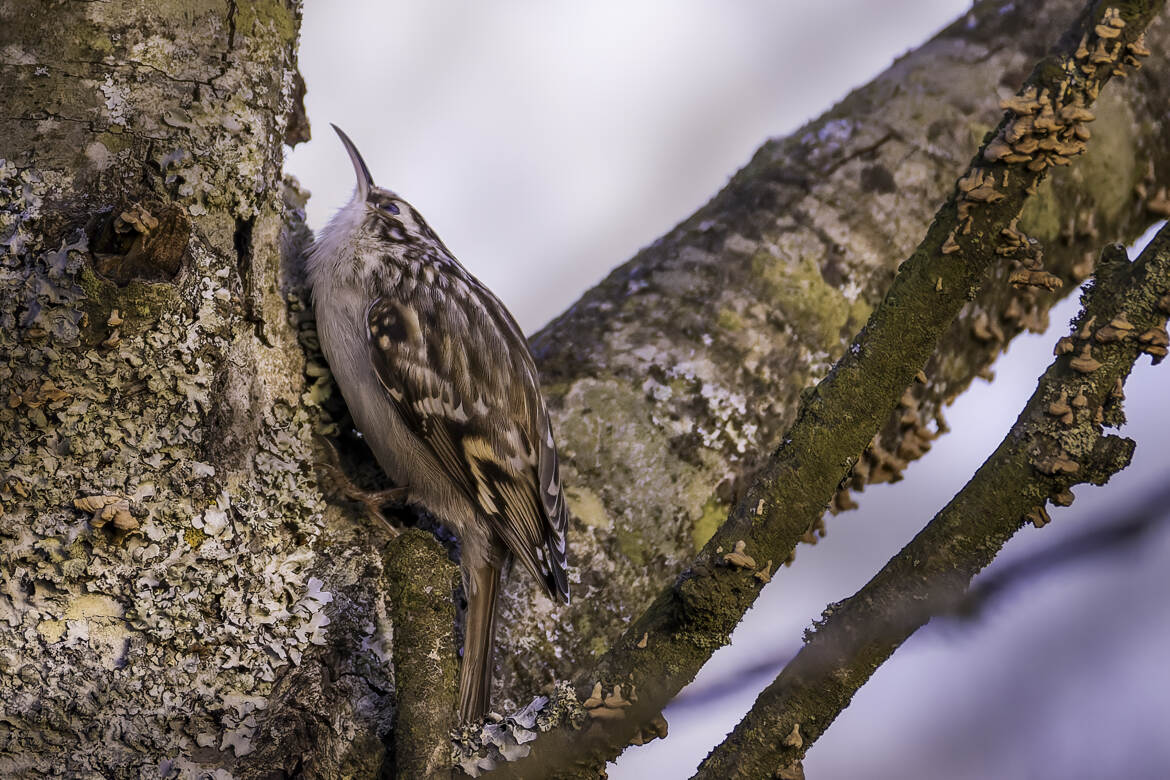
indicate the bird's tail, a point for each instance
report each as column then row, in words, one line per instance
column 479, row 640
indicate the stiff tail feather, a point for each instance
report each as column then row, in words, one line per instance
column 479, row 640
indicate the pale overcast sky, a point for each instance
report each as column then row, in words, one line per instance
column 546, row 142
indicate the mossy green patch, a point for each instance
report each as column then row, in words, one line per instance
column 138, row 303
column 194, row 537
column 267, row 12
column 1109, row 161
column 116, row 142
column 714, row 513
column 729, row 319
column 1040, row 217
column 817, row 311
column 631, row 544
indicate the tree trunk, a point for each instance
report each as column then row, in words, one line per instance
column 162, row 530
column 178, row 594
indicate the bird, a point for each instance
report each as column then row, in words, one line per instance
column 439, row 380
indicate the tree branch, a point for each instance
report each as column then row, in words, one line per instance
column 1105, row 540
column 664, row 648
column 421, row 584
column 1054, row 445
column 674, row 379
column 1091, row 546
column 244, row 600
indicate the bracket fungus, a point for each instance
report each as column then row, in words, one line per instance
column 1060, row 408
column 1054, row 465
column 1038, row 517
column 610, row 707
column 739, row 558
column 1154, row 343
column 1084, row 362
column 107, row 509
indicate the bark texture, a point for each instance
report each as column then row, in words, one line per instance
column 178, row 597
column 421, row 587
column 161, row 524
column 973, row 232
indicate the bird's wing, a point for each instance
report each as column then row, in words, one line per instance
column 458, row 370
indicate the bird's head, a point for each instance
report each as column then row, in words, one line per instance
column 377, row 221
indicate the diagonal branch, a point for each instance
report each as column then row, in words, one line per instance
column 663, row 649
column 674, row 379
column 1057, row 442
column 1106, row 540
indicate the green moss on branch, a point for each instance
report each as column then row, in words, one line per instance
column 420, row 590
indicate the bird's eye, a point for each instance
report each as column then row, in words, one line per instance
column 389, row 207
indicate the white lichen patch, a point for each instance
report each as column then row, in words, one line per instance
column 378, row 639
column 502, row 741
column 116, row 96
column 830, row 134
column 242, row 164
column 723, row 425
column 99, row 156
column 728, row 408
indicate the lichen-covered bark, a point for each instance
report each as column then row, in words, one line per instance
column 672, row 378
column 1057, row 442
column 665, row 647
column 159, row 508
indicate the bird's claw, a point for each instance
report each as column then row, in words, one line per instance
column 338, row 484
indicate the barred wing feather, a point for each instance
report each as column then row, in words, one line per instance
column 466, row 384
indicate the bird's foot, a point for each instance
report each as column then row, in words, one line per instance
column 336, row 483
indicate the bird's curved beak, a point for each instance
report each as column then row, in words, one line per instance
column 364, row 180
